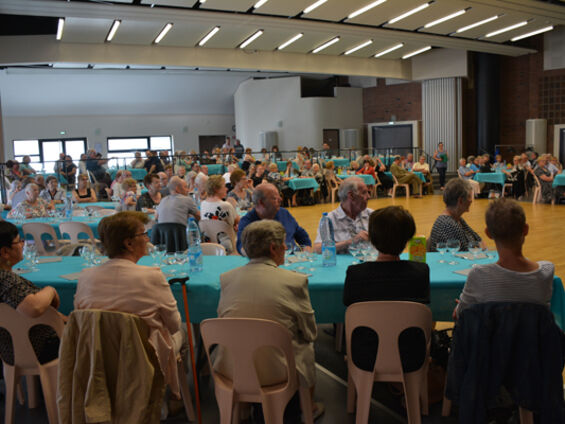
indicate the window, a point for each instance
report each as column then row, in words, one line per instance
column 45, row 152
column 121, row 150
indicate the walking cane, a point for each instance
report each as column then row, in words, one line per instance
column 182, row 282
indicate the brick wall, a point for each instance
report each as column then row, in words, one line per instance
column 402, row 100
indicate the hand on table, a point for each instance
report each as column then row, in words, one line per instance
column 362, row 235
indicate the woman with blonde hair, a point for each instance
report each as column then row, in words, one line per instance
column 83, row 193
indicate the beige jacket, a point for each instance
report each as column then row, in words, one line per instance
column 108, row 371
column 262, row 290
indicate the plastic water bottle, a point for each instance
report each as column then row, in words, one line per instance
column 69, row 206
column 196, row 197
column 328, row 241
column 194, row 249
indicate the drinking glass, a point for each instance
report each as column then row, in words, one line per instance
column 356, row 250
column 289, row 251
column 441, row 247
column 474, row 248
column 161, row 252
column 152, row 250
column 30, row 255
column 85, row 254
column 453, row 245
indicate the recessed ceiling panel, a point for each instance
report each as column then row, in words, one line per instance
column 228, row 5
column 386, row 11
column 284, row 7
column 83, row 30
column 187, row 35
column 139, row 32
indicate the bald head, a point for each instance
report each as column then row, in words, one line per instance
column 178, row 185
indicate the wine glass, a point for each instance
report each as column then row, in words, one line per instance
column 453, row 245
column 161, row 252
column 356, row 250
column 441, row 247
column 474, row 248
column 152, row 250
column 289, row 251
column 30, row 255
column 85, row 254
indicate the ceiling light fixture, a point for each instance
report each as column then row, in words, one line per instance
column 313, row 6
column 359, row 47
column 289, row 42
column 410, row 12
column 325, row 45
column 202, row 1
column 251, row 39
column 365, row 9
column 60, row 27
column 536, row 32
column 208, row 36
column 391, row 49
column 445, row 18
column 113, row 30
column 259, row 4
column 508, row 28
column 163, row 32
column 476, row 24
column 414, row 53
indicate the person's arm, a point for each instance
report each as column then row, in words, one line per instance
column 305, row 318
column 151, row 169
column 546, row 178
column 93, row 197
column 168, row 308
column 76, row 199
column 34, row 305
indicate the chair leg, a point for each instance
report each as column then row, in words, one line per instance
column 272, row 412
column 306, row 405
column 225, row 400
column 526, row 417
column 446, row 407
column 412, row 388
column 48, row 377
column 363, row 387
column 20, row 394
column 351, row 395
column 32, row 391
column 185, row 392
column 11, row 380
column 339, row 332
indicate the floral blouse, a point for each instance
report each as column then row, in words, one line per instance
column 30, row 211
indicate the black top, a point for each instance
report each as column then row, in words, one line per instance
column 145, row 201
column 153, row 160
column 84, row 196
column 395, row 280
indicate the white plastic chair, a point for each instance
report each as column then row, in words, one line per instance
column 537, row 190
column 388, row 319
column 36, row 230
column 212, row 227
column 25, row 361
column 213, row 249
column 242, row 337
column 397, row 185
column 73, row 229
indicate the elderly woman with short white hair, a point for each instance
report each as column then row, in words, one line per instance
column 33, row 206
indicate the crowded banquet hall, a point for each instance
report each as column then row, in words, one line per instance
column 282, row 211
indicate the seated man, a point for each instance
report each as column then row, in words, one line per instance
column 164, row 182
column 467, row 174
column 260, row 289
column 267, row 201
column 514, row 278
column 405, row 177
column 351, row 218
column 177, row 206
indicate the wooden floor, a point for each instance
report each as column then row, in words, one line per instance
column 547, row 223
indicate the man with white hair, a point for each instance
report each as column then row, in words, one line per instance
column 200, row 184
column 164, row 180
column 178, row 205
column 227, row 175
column 351, row 218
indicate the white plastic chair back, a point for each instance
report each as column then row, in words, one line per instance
column 73, row 229
column 212, row 227
column 36, row 230
column 213, row 249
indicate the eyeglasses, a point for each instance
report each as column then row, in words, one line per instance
column 18, row 242
column 146, row 233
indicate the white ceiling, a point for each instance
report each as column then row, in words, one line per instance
column 88, row 23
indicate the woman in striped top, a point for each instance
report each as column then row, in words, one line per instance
column 514, row 278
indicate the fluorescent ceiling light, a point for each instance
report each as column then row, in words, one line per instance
column 414, row 53
column 509, row 28
column 289, row 42
column 208, row 36
column 163, row 32
column 325, row 45
column 202, row 1
column 536, row 32
column 259, row 4
column 476, row 24
column 113, row 30
column 359, row 47
column 445, row 18
column 251, row 39
column 410, row 12
column 365, row 9
column 391, row 49
column 60, row 28
column 314, row 6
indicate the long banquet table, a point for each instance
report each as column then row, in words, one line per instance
column 326, row 286
column 559, row 180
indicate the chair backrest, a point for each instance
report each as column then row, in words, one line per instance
column 104, row 212
column 37, row 230
column 213, row 249
column 18, row 325
column 242, row 337
column 211, row 228
column 73, row 229
column 173, row 235
column 388, row 319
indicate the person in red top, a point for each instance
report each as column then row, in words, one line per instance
column 367, row 168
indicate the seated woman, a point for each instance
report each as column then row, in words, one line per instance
column 26, row 167
column 332, row 181
column 467, row 174
column 138, row 162
column 513, row 278
column 367, row 169
column 116, row 191
column 240, row 196
column 32, row 206
column 457, row 196
column 152, row 197
column 25, row 297
column 260, row 289
column 353, row 167
column 15, row 187
column 290, row 171
column 545, row 179
column 128, row 201
column 385, row 180
column 52, row 193
column 388, row 278
column 83, row 193
column 121, row 285
column 215, row 208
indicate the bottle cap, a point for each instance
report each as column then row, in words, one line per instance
column 325, row 214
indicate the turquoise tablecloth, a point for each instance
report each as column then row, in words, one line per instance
column 303, row 183
column 367, row 179
column 136, row 173
column 417, row 173
column 559, row 180
column 216, row 169
column 326, row 286
column 105, row 205
column 340, row 162
column 491, row 177
column 281, row 164
column 91, row 221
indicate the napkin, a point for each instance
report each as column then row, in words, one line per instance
column 463, row 271
column 71, row 277
column 293, row 259
column 469, row 256
column 21, row 270
column 49, row 259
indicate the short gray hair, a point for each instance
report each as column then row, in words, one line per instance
column 259, row 192
column 456, row 189
column 348, row 185
column 30, row 186
column 174, row 183
column 258, row 236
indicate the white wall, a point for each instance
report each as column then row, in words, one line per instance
column 439, row 63
column 275, row 105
